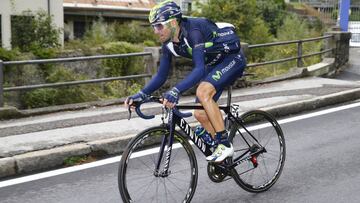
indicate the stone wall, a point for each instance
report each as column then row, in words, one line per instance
column 340, row 42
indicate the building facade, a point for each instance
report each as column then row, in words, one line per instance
column 9, row 8
column 74, row 17
column 79, row 14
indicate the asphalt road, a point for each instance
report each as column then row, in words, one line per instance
column 352, row 72
column 322, row 165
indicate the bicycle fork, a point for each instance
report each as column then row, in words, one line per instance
column 166, row 140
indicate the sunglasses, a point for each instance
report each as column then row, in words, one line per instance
column 159, row 26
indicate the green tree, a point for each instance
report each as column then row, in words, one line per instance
column 293, row 28
column 272, row 12
column 34, row 31
column 242, row 14
column 250, row 26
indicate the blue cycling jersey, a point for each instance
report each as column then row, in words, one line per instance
column 200, row 41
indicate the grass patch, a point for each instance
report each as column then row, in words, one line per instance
column 78, row 160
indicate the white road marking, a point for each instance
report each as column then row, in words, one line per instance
column 77, row 168
column 319, row 113
column 151, row 151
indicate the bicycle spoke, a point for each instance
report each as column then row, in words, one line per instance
column 157, row 192
column 147, row 188
column 275, row 158
column 178, row 179
column 263, row 165
column 179, row 171
column 268, row 141
column 250, row 177
column 149, row 168
column 175, row 185
column 153, row 159
column 168, row 193
column 139, row 178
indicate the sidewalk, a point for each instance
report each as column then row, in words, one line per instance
column 43, row 142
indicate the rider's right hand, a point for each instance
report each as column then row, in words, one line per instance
column 138, row 97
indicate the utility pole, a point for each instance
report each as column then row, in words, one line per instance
column 344, row 7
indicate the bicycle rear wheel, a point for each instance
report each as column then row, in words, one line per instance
column 139, row 182
column 259, row 147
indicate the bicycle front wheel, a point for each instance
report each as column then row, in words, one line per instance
column 138, row 179
column 259, row 147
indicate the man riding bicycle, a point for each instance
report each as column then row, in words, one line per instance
column 217, row 62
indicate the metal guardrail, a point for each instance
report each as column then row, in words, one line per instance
column 299, row 56
column 61, row 60
column 61, row 84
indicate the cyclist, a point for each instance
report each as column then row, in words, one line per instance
column 217, row 62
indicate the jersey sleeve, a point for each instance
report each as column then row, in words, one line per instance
column 160, row 77
column 198, row 58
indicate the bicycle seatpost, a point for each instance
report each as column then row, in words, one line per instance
column 229, row 95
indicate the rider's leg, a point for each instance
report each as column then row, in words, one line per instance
column 202, row 117
column 218, row 78
column 214, row 123
column 205, row 94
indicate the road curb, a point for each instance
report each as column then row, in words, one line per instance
column 7, row 167
column 314, row 103
column 51, row 158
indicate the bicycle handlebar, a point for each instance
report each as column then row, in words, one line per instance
column 137, row 106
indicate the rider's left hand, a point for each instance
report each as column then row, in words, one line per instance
column 171, row 97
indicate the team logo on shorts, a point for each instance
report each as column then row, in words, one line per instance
column 217, row 75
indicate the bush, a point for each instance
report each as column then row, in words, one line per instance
column 134, row 32
column 293, row 28
column 31, row 31
column 99, row 33
column 8, row 55
column 72, row 94
column 121, row 88
column 39, row 98
column 122, row 66
column 296, row 28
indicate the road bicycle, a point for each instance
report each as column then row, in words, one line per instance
column 159, row 164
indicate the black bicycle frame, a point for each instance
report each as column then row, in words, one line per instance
column 175, row 120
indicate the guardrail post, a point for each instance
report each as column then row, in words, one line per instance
column 1, row 83
column 340, row 43
column 299, row 54
column 152, row 62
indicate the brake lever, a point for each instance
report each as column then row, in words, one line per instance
column 166, row 112
column 129, row 110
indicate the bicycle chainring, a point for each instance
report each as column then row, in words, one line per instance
column 215, row 173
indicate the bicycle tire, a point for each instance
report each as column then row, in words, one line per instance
column 258, row 171
column 158, row 189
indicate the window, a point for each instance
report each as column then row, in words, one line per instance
column 79, row 29
column 355, row 37
column 186, row 6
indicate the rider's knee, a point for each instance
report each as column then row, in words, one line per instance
column 205, row 92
